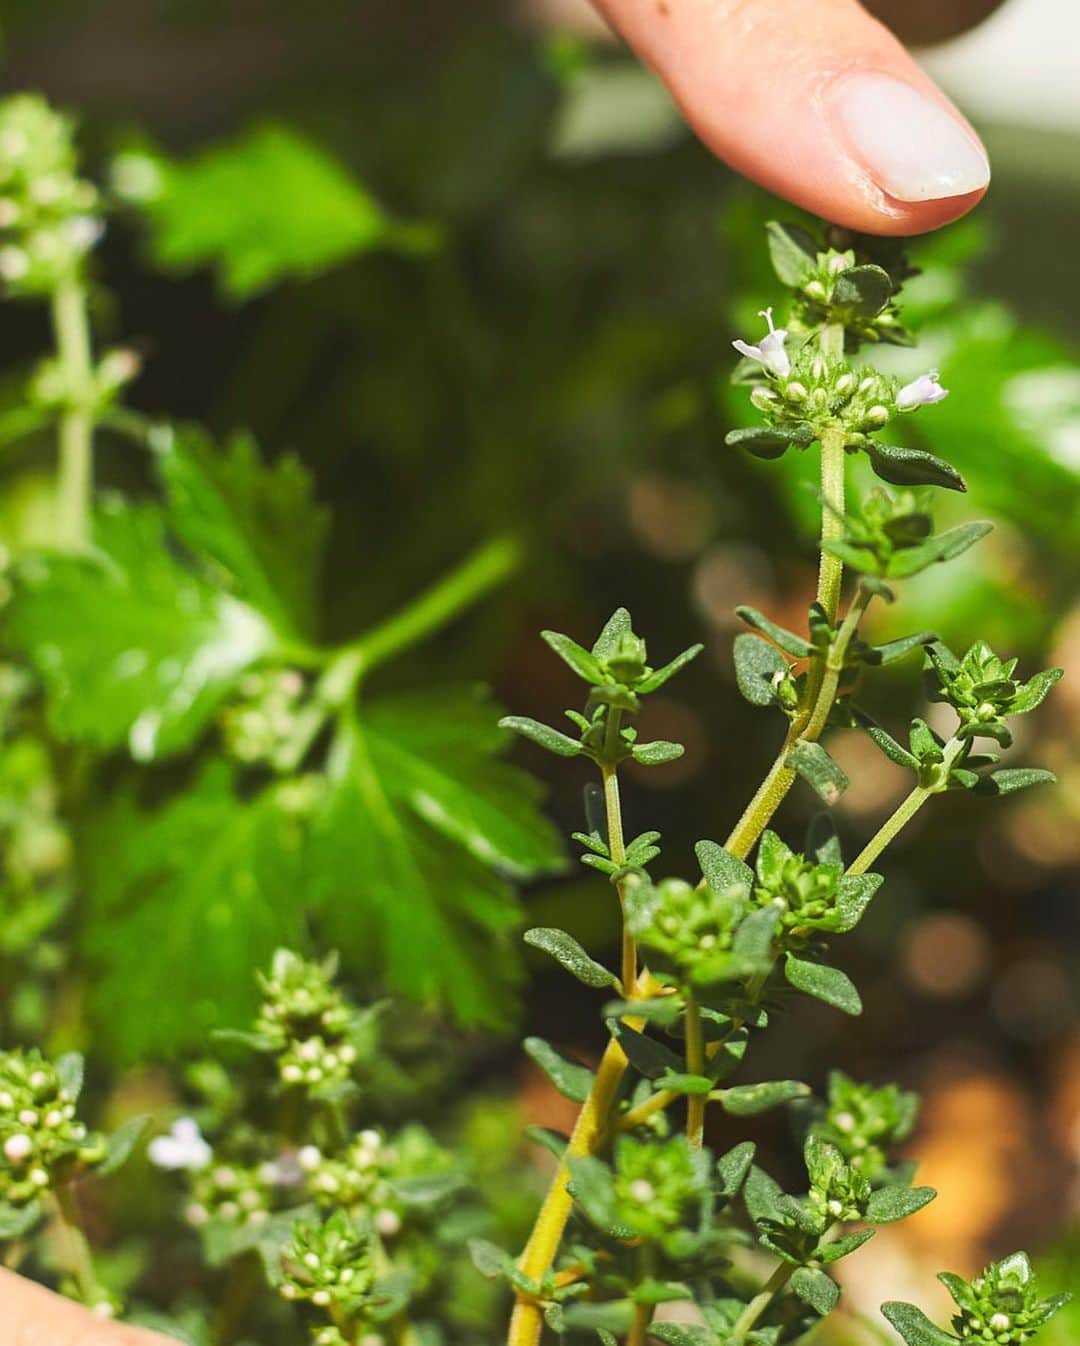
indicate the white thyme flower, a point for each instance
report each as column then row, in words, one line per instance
column 921, row 392
column 770, row 354
column 183, row 1147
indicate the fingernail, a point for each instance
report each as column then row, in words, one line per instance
column 911, row 147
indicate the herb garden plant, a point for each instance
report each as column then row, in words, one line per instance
column 165, row 688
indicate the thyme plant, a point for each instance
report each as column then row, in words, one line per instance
column 639, row 1212
column 169, row 629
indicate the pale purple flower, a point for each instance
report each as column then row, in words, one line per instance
column 183, row 1147
column 770, row 354
column 921, row 392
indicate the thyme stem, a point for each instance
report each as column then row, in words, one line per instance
column 74, row 487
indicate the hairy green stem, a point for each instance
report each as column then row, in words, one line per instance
column 695, row 1065
column 905, row 811
column 591, row 1127
column 344, row 666
column 75, row 475
column 761, row 1301
column 481, row 572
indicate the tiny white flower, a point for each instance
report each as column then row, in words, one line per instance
column 14, row 263
column 642, row 1190
column 999, row 1322
column 321, row 1298
column 921, row 392
column 309, row 1157
column 39, row 1177
column 770, row 354
column 836, row 1207
column 18, row 1148
column 28, row 1117
column 183, row 1148
column 844, row 1121
column 387, row 1222
column 84, row 231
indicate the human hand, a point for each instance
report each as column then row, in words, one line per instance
column 817, row 101
column 32, row 1316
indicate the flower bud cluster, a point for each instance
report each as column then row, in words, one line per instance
column 804, row 891
column 655, row 1184
column 981, row 688
column 688, row 930
column 41, row 1138
column 819, row 298
column 54, row 388
column 358, row 1179
column 1002, row 1306
column 838, row 1191
column 864, row 1122
column 306, row 1022
column 329, row 1263
column 233, row 1193
column 825, row 392
column 49, row 216
column 263, row 719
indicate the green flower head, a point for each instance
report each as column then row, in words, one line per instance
column 1002, row 1305
column 655, row 1185
column 864, row 1122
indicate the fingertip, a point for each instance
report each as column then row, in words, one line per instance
column 817, row 102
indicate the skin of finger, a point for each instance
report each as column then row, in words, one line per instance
column 753, row 79
column 33, row 1316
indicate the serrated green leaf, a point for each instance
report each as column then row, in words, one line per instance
column 788, row 641
column 542, row 734
column 259, row 525
column 569, row 954
column 889, row 1204
column 912, row 467
column 267, row 205
column 656, row 753
column 758, row 666
column 915, row 1327
column 132, row 645
column 436, row 752
column 816, row 1289
column 823, row 983
column 189, row 895
column 819, row 771
column 409, row 842
column 572, row 1080
column 584, row 664
column 747, row 1100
